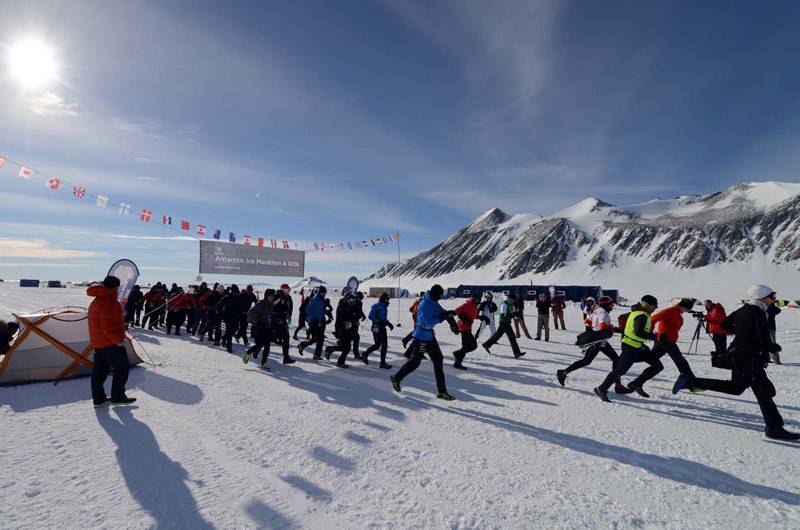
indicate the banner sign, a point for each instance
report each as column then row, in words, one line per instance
column 229, row 258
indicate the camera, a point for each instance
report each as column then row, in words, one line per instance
column 697, row 314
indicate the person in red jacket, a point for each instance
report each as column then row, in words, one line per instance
column 107, row 337
column 153, row 301
column 558, row 311
column 715, row 314
column 669, row 322
column 467, row 314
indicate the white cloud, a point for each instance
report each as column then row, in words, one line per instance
column 147, row 179
column 152, row 238
column 33, row 264
column 145, row 160
column 40, row 248
column 50, row 104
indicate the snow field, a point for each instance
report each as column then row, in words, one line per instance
column 215, row 443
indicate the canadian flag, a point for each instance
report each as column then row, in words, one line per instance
column 146, row 215
column 52, row 183
column 25, row 172
column 201, row 230
column 246, row 240
column 260, row 241
column 184, row 225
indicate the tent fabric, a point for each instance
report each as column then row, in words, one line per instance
column 52, row 346
column 310, row 282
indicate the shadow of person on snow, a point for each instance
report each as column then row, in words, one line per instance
column 164, row 387
column 156, row 482
column 672, row 468
column 267, row 517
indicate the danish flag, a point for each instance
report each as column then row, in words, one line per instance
column 146, row 215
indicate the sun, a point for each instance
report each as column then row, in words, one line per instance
column 32, row 62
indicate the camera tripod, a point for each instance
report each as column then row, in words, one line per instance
column 701, row 324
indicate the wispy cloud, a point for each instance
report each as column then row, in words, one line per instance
column 50, row 104
column 146, row 160
column 146, row 179
column 40, row 248
column 152, row 238
column 46, row 264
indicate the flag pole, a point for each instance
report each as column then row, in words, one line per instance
column 399, row 291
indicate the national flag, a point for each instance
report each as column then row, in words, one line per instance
column 78, row 192
column 102, row 202
column 341, row 246
column 379, row 242
column 217, row 233
column 232, row 237
column 146, row 215
column 274, row 243
column 358, row 245
column 332, row 247
column 285, row 244
column 185, row 225
column 246, row 240
column 124, row 208
column 201, row 230
column 391, row 238
column 260, row 241
column 323, row 247
column 350, row 246
column 372, row 241
column 316, row 246
column 365, row 244
column 296, row 246
column 166, row 219
column 2, row 161
column 25, row 172
column 52, row 183
column 397, row 236
column 385, row 240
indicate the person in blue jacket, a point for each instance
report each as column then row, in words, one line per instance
column 429, row 314
column 316, row 315
column 379, row 316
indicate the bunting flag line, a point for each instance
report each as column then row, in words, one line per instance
column 124, row 209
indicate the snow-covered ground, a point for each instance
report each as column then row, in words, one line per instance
column 215, row 443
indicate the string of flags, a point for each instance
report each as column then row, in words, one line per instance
column 195, row 229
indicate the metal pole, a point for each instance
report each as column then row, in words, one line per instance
column 397, row 238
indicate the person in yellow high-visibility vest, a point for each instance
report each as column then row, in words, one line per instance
column 637, row 331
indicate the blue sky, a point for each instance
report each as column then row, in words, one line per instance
column 338, row 121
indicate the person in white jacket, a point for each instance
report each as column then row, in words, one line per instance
column 487, row 308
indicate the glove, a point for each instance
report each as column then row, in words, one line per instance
column 453, row 325
column 485, row 319
column 446, row 315
column 390, row 326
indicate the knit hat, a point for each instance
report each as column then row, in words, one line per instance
column 322, row 289
column 686, row 303
column 112, row 282
column 249, row 288
column 758, row 291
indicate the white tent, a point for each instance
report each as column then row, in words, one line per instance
column 52, row 345
column 308, row 283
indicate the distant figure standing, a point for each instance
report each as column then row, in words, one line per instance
column 519, row 315
column 543, row 323
column 715, row 314
column 558, row 311
column 107, row 337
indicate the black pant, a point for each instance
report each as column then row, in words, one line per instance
column 241, row 333
column 591, row 352
column 629, row 356
column 468, row 344
column 379, row 336
column 356, row 341
column 720, row 342
column 262, row 336
column 280, row 334
column 190, row 320
column 671, row 349
column 200, row 320
column 231, row 325
column 175, row 319
column 755, row 377
column 317, row 337
column 420, row 349
column 151, row 315
column 104, row 359
column 300, row 324
column 504, row 328
column 343, row 344
column 212, row 326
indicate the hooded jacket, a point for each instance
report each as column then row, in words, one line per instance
column 468, row 310
column 106, row 325
column 716, row 314
column 427, row 317
column 670, row 321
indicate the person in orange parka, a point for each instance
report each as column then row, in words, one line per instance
column 107, row 337
column 670, row 321
column 467, row 314
column 407, row 338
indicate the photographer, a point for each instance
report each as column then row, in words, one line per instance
column 715, row 314
column 747, row 358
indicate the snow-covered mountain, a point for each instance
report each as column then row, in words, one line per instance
column 748, row 226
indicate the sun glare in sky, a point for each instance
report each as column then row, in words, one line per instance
column 32, row 63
